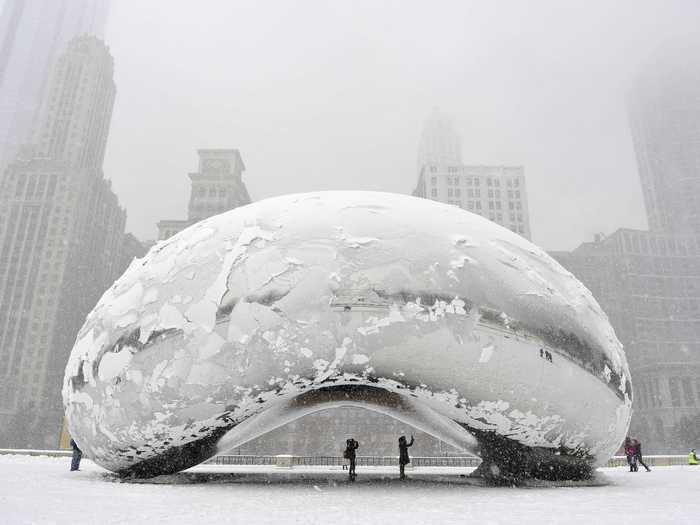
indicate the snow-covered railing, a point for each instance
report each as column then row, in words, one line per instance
column 368, row 461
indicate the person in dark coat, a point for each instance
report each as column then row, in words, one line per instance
column 638, row 453
column 404, row 459
column 630, row 454
column 351, row 445
column 77, row 455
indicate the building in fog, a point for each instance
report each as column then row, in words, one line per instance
column 216, row 187
column 61, row 241
column 495, row 192
column 648, row 282
column 664, row 114
column 439, row 142
column 33, row 34
column 649, row 285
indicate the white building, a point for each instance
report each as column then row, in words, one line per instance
column 495, row 192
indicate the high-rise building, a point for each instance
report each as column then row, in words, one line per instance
column 61, row 241
column 33, row 34
column 216, row 187
column 648, row 282
column 664, row 113
column 439, row 142
column 649, row 285
column 495, row 192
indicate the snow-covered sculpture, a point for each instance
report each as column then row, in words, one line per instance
column 423, row 311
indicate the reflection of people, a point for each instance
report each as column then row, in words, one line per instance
column 403, row 455
column 638, row 453
column 692, row 458
column 77, row 455
column 350, row 447
column 630, row 454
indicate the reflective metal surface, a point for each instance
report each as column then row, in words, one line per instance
column 420, row 310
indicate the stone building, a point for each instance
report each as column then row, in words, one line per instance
column 217, row 187
column 649, row 285
column 495, row 192
column 61, row 241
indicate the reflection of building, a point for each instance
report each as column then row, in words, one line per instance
column 495, row 192
column 34, row 34
column 217, row 187
column 649, row 285
column 61, row 237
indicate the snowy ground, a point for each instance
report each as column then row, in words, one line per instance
column 41, row 490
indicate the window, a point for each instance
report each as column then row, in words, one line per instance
column 478, row 205
column 433, row 192
column 510, row 206
column 498, row 205
column 490, row 194
column 469, row 181
column 433, row 169
column 477, row 192
column 688, row 393
column 450, row 192
column 470, row 205
column 510, row 194
column 433, row 181
column 458, row 192
column 517, row 194
column 675, row 391
column 489, row 182
column 456, row 180
column 476, row 182
column 497, row 183
column 491, row 205
column 516, row 183
column 449, row 181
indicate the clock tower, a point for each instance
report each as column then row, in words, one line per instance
column 217, row 186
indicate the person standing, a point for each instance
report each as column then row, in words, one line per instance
column 638, row 453
column 351, row 446
column 77, row 455
column 692, row 458
column 404, row 459
column 630, row 454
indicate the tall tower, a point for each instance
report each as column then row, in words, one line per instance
column 217, row 186
column 33, row 34
column 439, row 142
column 61, row 242
column 664, row 112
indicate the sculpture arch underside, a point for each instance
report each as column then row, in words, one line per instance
column 502, row 459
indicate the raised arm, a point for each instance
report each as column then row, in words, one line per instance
column 411, row 443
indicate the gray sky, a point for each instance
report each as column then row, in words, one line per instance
column 332, row 95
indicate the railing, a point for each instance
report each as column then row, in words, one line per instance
column 366, row 461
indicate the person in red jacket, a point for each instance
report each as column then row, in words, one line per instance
column 631, row 454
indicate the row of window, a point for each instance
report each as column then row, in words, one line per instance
column 683, row 392
column 476, row 181
column 476, row 193
column 645, row 244
column 213, row 191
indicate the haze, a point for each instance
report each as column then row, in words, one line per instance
column 332, row 95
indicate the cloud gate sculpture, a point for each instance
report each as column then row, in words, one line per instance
column 420, row 310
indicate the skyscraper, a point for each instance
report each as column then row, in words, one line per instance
column 216, row 187
column 33, row 33
column 495, row 192
column 439, row 142
column 664, row 112
column 61, row 240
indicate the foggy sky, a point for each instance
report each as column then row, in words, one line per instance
column 332, row 95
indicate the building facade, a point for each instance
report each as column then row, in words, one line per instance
column 61, row 238
column 497, row 193
column 649, row 285
column 34, row 34
column 216, row 187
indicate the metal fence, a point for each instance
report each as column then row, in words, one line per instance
column 367, row 461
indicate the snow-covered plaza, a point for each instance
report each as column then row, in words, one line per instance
column 42, row 490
